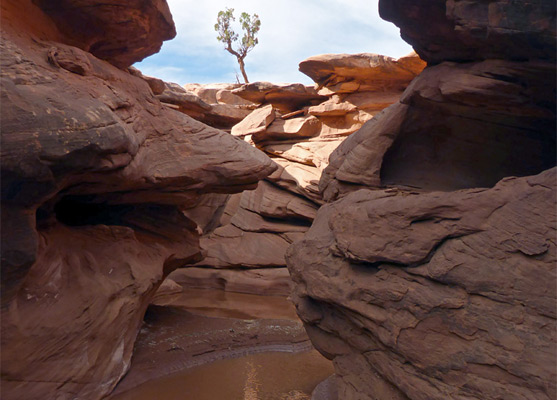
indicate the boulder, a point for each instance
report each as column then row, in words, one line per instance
column 313, row 152
column 285, row 97
column 331, row 108
column 256, row 122
column 297, row 178
column 289, row 129
column 214, row 93
column 348, row 73
column 186, row 102
column 218, row 115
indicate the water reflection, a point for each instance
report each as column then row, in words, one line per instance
column 265, row 376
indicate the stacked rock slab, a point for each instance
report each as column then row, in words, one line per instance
column 299, row 126
column 430, row 273
column 97, row 176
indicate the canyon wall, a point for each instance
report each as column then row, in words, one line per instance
column 103, row 190
column 298, row 127
column 430, row 272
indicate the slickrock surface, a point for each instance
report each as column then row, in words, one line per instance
column 95, row 175
column 299, row 128
column 434, row 296
column 431, row 272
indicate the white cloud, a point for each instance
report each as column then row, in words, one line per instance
column 291, row 30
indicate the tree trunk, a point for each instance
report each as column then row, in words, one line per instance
column 241, row 62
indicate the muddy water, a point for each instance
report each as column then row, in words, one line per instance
column 266, row 376
column 215, row 345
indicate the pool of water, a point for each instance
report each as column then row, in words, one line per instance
column 264, row 376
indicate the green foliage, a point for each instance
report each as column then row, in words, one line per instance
column 250, row 27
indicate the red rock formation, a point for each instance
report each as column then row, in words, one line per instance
column 257, row 227
column 437, row 295
column 120, row 32
column 96, row 176
column 431, row 275
column 284, row 97
column 465, row 30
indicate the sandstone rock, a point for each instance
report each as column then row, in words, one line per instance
column 212, row 104
column 294, row 128
column 466, row 30
column 256, row 122
column 270, row 201
column 206, row 211
column 457, row 126
column 120, row 32
column 251, row 221
column 231, row 247
column 187, row 103
column 314, row 152
column 297, row 178
column 432, row 281
column 157, row 85
column 342, row 126
column 371, row 101
column 214, row 93
column 95, row 174
column 256, row 227
column 331, row 109
column 225, row 96
column 260, row 281
column 167, row 292
column 285, row 97
column 217, row 115
column 225, row 116
column 436, row 295
column 348, row 73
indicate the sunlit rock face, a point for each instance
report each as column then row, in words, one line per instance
column 431, row 272
column 298, row 126
column 100, row 189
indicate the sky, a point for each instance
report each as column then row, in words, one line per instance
column 291, row 31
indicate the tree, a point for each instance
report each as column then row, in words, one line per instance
column 250, row 26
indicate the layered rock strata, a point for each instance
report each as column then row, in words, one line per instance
column 298, row 127
column 431, row 272
column 97, row 179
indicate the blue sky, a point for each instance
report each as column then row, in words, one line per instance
column 291, row 31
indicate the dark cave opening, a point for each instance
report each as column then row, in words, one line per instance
column 76, row 211
column 455, row 152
